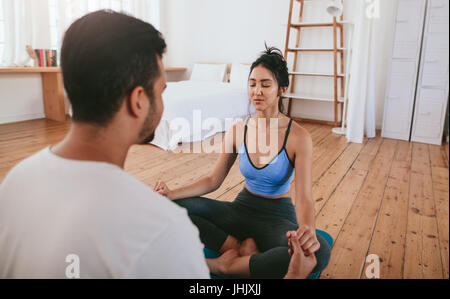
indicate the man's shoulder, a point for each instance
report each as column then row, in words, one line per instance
column 23, row 167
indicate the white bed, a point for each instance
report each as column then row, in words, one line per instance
column 217, row 105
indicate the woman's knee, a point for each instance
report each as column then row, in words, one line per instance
column 214, row 210
column 194, row 205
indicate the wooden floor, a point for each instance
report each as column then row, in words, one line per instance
column 383, row 197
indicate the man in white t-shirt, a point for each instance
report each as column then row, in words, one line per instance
column 70, row 211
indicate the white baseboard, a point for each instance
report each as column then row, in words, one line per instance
column 22, row 117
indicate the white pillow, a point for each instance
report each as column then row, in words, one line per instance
column 209, row 72
column 239, row 75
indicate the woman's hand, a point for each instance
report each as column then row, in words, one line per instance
column 162, row 189
column 301, row 265
column 307, row 239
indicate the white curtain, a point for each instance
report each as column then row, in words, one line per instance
column 42, row 23
column 361, row 98
column 26, row 23
column 68, row 11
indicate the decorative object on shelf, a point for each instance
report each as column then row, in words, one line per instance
column 32, row 55
column 42, row 57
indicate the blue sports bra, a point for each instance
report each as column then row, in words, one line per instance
column 275, row 178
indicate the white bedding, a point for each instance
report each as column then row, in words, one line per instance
column 225, row 102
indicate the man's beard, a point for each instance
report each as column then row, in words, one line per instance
column 147, row 133
column 149, row 139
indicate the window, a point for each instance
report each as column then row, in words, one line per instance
column 48, row 23
column 54, row 21
column 64, row 12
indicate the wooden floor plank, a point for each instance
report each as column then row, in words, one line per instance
column 368, row 153
column 440, row 178
column 388, row 241
column 445, row 149
column 332, row 216
column 422, row 256
column 323, row 163
column 364, row 201
column 320, row 133
column 438, row 157
column 325, row 186
column 350, row 249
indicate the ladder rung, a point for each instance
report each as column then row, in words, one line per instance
column 315, row 74
column 313, row 24
column 299, row 96
column 315, row 50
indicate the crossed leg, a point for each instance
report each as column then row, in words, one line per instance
column 234, row 261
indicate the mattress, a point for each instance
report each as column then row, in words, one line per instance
column 194, row 111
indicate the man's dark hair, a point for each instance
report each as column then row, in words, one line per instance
column 104, row 56
column 273, row 60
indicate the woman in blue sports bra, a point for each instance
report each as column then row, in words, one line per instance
column 252, row 233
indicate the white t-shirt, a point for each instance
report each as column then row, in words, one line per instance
column 61, row 217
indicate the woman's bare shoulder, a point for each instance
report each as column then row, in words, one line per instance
column 235, row 133
column 236, row 127
column 301, row 137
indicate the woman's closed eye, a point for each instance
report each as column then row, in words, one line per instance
column 264, row 85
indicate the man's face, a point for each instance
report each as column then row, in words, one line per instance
column 156, row 108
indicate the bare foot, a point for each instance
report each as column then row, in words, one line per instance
column 230, row 243
column 248, row 248
column 221, row 265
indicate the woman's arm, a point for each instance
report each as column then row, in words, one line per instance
column 304, row 204
column 211, row 182
column 303, row 192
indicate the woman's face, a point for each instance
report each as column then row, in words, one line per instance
column 263, row 89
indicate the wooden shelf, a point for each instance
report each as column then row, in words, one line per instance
column 176, row 69
column 315, row 74
column 30, row 70
column 299, row 96
column 315, row 50
column 317, row 24
column 316, row 121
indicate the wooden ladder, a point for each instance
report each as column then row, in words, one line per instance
column 337, row 75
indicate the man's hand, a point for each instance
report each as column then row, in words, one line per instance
column 307, row 238
column 162, row 189
column 301, row 264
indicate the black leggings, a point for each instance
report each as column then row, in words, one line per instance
column 265, row 220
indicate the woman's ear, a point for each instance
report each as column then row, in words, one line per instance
column 282, row 91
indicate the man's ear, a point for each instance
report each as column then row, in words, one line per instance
column 136, row 102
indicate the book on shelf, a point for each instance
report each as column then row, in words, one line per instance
column 46, row 58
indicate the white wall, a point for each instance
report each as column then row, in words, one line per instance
column 235, row 31
column 221, row 31
column 21, row 97
column 226, row 31
column 21, row 94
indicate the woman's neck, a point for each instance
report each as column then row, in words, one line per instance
column 271, row 120
column 268, row 114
